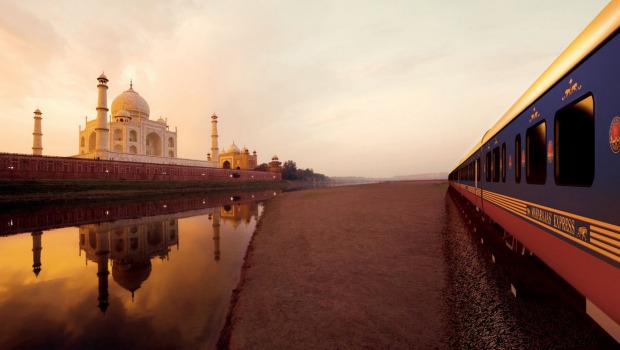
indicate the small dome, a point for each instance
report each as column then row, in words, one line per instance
column 233, row 148
column 122, row 113
column 132, row 102
column 102, row 76
column 37, row 111
column 274, row 157
column 245, row 150
column 161, row 120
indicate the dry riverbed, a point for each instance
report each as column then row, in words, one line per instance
column 349, row 267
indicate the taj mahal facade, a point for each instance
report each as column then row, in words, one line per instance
column 130, row 130
column 128, row 133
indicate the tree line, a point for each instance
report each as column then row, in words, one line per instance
column 291, row 173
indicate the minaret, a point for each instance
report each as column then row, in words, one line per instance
column 102, row 254
column 36, row 252
column 214, row 148
column 216, row 235
column 101, row 129
column 37, row 142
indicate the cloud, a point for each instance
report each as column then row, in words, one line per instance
column 28, row 48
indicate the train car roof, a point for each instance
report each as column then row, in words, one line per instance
column 601, row 28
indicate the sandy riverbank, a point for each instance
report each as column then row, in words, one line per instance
column 348, row 267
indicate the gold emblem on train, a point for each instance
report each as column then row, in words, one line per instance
column 535, row 114
column 550, row 152
column 572, row 88
column 614, row 135
column 582, row 233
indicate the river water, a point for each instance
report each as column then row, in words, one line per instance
column 151, row 274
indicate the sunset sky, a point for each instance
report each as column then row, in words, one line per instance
column 359, row 88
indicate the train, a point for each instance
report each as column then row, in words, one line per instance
column 548, row 171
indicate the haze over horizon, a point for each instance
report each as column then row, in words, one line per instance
column 347, row 88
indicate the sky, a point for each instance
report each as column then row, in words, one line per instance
column 346, row 88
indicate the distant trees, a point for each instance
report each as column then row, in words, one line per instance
column 290, row 172
column 262, row 167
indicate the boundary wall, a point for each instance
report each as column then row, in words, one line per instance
column 23, row 166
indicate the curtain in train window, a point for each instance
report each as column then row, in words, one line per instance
column 518, row 159
column 503, row 163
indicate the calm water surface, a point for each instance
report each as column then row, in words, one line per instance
column 154, row 274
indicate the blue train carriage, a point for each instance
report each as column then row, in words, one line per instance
column 549, row 170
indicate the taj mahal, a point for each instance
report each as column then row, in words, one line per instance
column 128, row 134
column 124, row 143
column 129, row 130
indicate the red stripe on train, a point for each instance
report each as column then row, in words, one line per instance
column 594, row 278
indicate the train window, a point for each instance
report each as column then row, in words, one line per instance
column 466, row 170
column 502, row 165
column 518, row 159
column 488, row 167
column 478, row 169
column 574, row 143
column 495, row 165
column 536, row 154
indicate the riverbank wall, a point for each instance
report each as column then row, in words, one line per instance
column 23, row 166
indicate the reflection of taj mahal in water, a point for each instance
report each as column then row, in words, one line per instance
column 130, row 244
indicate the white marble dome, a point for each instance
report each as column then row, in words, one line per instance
column 132, row 102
